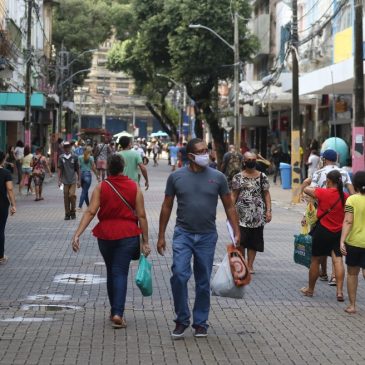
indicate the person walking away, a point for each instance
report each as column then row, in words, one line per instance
column 87, row 164
column 149, row 149
column 327, row 233
column 39, row 166
column 120, row 224
column 277, row 157
column 197, row 188
column 26, row 169
column 183, row 156
column 19, row 154
column 319, row 179
column 7, row 198
column 232, row 164
column 101, row 155
column 352, row 241
column 174, row 150
column 155, row 151
column 10, row 161
column 251, row 196
column 69, row 176
column 313, row 163
column 132, row 161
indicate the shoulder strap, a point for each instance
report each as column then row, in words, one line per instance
column 120, row 195
column 329, row 210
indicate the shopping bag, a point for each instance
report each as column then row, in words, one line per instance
column 144, row 276
column 223, row 285
column 239, row 268
column 303, row 248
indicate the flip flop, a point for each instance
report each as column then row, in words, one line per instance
column 350, row 311
column 340, row 298
column 306, row 292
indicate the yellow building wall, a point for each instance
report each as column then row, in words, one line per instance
column 343, row 45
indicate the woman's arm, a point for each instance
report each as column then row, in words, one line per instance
column 93, row 167
column 346, row 228
column 235, row 194
column 10, row 190
column 141, row 214
column 267, row 198
column 87, row 218
column 310, row 191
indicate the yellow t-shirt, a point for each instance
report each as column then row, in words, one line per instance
column 27, row 160
column 355, row 204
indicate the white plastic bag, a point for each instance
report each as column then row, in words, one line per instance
column 222, row 284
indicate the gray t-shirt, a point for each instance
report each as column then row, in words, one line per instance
column 68, row 164
column 197, row 197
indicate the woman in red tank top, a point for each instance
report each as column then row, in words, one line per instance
column 119, row 205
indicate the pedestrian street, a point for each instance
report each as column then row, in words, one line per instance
column 54, row 307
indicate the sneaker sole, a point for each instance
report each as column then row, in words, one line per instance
column 200, row 336
column 177, row 337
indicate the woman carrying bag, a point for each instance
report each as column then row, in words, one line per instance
column 326, row 233
column 119, row 204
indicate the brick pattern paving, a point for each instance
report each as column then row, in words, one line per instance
column 273, row 324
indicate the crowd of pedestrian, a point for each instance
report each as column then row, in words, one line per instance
column 243, row 187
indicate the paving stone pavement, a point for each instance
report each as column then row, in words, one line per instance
column 273, row 324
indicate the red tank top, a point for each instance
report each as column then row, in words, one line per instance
column 116, row 220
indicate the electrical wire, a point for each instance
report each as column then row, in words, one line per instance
column 305, row 14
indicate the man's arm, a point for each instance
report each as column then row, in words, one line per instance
column 305, row 184
column 145, row 175
column 11, row 195
column 165, row 214
column 350, row 188
column 232, row 216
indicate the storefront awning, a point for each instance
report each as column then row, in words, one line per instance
column 38, row 100
column 11, row 116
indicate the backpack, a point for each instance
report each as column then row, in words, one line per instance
column 234, row 165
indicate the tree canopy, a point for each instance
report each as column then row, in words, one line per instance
column 164, row 44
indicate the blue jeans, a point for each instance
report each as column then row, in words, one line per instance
column 202, row 247
column 85, row 185
column 117, row 256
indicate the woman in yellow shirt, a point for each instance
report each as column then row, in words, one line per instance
column 352, row 242
column 26, row 169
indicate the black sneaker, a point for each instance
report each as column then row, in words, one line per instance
column 73, row 216
column 200, row 332
column 179, row 331
column 67, row 217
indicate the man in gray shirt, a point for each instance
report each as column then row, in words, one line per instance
column 69, row 176
column 196, row 188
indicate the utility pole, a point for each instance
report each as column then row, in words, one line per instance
column 358, row 162
column 63, row 65
column 237, row 121
column 28, row 86
column 295, row 115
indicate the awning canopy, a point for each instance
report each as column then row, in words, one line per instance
column 11, row 115
column 38, row 100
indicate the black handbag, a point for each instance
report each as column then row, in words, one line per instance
column 315, row 225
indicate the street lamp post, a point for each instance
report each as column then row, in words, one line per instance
column 235, row 49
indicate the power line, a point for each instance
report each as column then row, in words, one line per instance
column 304, row 15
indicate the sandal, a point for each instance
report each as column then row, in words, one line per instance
column 340, row 298
column 305, row 291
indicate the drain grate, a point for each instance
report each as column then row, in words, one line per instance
column 27, row 319
column 79, row 279
column 50, row 297
column 49, row 307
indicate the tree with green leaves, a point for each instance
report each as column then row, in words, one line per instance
column 164, row 44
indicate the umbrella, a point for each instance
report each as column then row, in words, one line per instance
column 122, row 134
column 159, row 134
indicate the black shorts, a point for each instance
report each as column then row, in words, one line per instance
column 355, row 256
column 252, row 238
column 325, row 241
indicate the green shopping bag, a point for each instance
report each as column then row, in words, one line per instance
column 303, row 248
column 144, row 276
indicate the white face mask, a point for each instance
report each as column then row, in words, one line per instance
column 202, row 160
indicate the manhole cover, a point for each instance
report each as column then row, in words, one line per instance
column 49, row 308
column 51, row 297
column 27, row 319
column 79, row 279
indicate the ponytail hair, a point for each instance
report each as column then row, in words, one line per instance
column 359, row 182
column 336, row 178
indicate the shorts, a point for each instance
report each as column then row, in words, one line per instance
column 27, row 170
column 173, row 161
column 252, row 238
column 355, row 256
column 101, row 164
column 325, row 241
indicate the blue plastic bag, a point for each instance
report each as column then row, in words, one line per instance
column 144, row 276
column 303, row 248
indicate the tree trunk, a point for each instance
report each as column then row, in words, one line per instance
column 166, row 124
